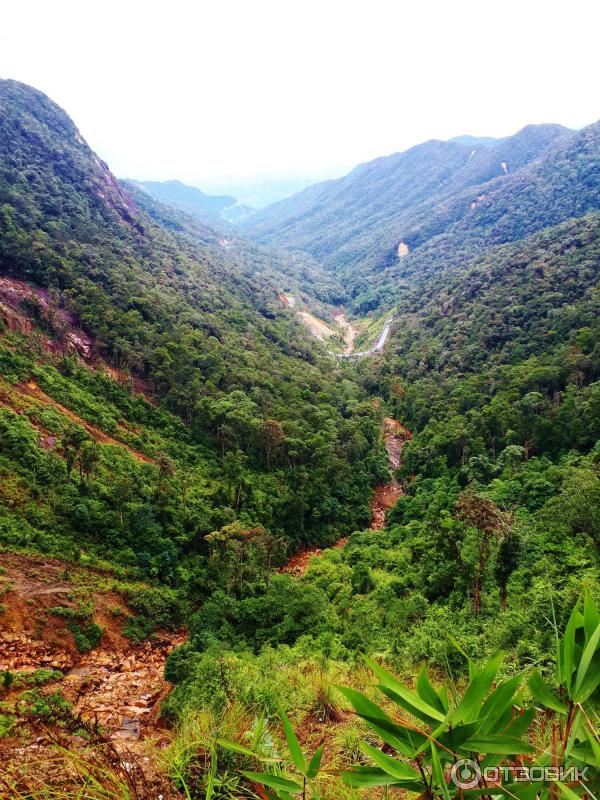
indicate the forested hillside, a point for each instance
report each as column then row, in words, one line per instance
column 435, row 205
column 170, row 435
column 240, row 422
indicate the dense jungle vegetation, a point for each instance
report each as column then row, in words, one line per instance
column 165, row 418
column 445, row 202
column 243, row 422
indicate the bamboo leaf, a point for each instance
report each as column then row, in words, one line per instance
column 499, row 701
column 413, row 699
column 362, row 705
column 259, row 730
column 438, row 772
column 590, row 650
column 443, row 695
column 390, row 765
column 469, row 707
column 591, row 616
column 567, row 648
column 427, row 693
column 405, row 703
column 315, row 763
column 499, row 745
column 594, row 744
column 273, row 781
column 543, row 695
column 370, row 777
column 404, row 740
column 399, row 737
column 454, row 738
column 293, row 744
column 237, row 748
column 567, row 792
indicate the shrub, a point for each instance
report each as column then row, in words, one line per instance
column 7, row 723
column 87, row 636
column 156, row 608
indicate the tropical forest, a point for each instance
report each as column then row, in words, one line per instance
column 300, row 501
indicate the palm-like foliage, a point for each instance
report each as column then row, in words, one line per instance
column 441, row 746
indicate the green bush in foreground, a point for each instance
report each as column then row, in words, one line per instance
column 483, row 741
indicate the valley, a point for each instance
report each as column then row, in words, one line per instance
column 255, row 466
column 346, row 330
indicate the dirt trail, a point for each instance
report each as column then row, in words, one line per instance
column 395, row 436
column 31, row 389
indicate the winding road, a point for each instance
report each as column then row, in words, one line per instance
column 321, row 331
column 379, row 344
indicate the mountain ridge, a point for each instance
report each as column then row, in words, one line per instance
column 412, row 197
column 214, row 209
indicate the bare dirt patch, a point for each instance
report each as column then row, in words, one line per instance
column 116, row 689
column 349, row 330
column 319, row 329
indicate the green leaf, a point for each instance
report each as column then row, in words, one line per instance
column 594, row 744
column 443, row 695
column 405, row 703
column 315, row 763
column 590, row 650
column 499, row 701
column 438, row 772
column 568, row 793
column 404, row 740
column 591, row 680
column 390, row 682
column 390, row 765
column 362, row 705
column 585, row 752
column 293, row 745
column 591, row 616
column 259, row 730
column 237, row 748
column 454, row 738
column 543, row 695
column 427, row 693
column 516, row 728
column 399, row 737
column 368, row 777
column 518, row 725
column 498, row 745
column 273, row 781
column 567, row 648
column 469, row 707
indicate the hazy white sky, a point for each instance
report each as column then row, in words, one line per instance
column 235, row 88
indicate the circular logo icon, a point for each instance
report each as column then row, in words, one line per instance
column 465, row 774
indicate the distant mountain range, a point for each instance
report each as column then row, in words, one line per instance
column 239, row 204
column 192, row 200
column 265, row 190
column 435, row 206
